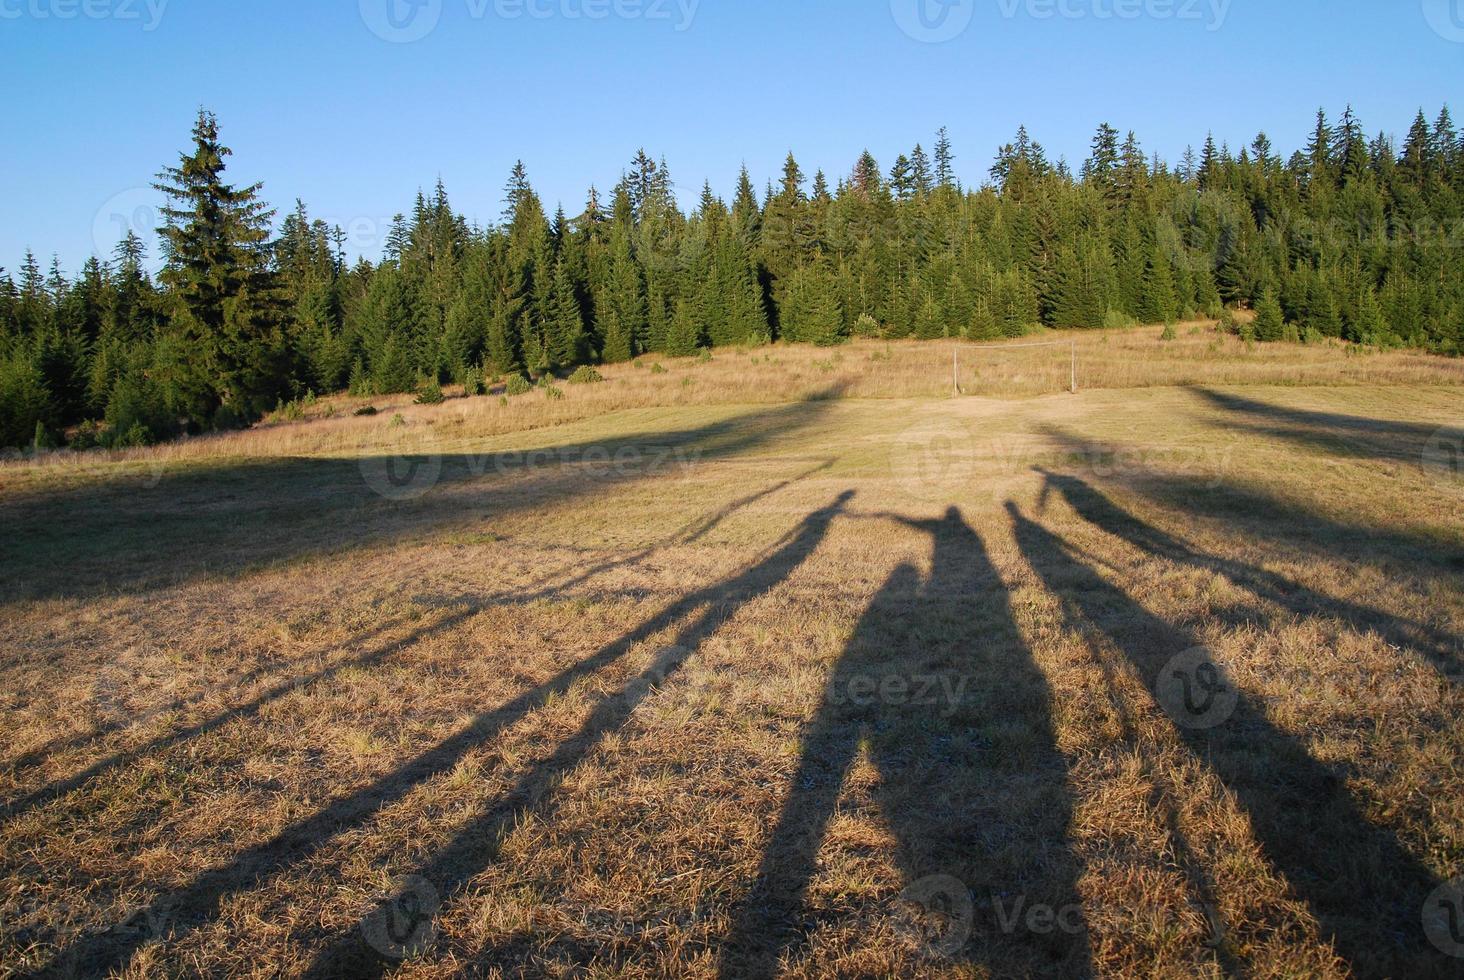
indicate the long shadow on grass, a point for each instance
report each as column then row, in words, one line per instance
column 201, row 901
column 1366, row 891
column 690, row 534
column 1428, row 550
column 1438, row 647
column 213, row 519
column 1334, row 433
column 957, row 717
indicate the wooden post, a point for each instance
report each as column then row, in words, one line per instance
column 956, row 369
column 1075, row 367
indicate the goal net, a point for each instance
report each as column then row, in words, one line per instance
column 1017, row 368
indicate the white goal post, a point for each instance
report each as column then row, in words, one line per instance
column 956, row 358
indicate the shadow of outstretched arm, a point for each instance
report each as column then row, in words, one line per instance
column 1365, row 889
column 1438, row 647
column 475, row 847
column 201, row 901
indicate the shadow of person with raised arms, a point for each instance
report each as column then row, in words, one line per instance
column 957, row 718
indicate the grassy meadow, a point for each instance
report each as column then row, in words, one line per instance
column 783, row 663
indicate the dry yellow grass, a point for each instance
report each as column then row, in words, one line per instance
column 741, row 678
column 783, row 374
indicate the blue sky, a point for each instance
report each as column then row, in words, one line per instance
column 339, row 102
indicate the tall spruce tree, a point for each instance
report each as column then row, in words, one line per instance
column 215, row 242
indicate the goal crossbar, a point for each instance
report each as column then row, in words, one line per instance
column 1050, row 343
column 956, row 357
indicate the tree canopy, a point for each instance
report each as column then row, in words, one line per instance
column 1351, row 237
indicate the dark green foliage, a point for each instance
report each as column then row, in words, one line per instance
column 685, row 337
column 1157, row 303
column 473, row 382
column 568, row 342
column 391, row 369
column 24, row 401
column 1269, row 322
column 429, row 392
column 1347, row 239
column 360, row 382
column 137, row 413
column 812, row 314
column 228, row 308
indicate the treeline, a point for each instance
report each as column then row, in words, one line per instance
column 1351, row 237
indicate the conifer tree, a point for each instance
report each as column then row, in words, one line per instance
column 920, row 171
column 945, row 159
column 238, row 321
column 684, row 337
column 215, row 242
column 1158, row 303
column 568, row 343
column 1270, row 324
column 1319, row 151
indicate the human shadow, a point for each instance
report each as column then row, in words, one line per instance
column 1439, row 647
column 468, row 607
column 957, row 717
column 224, row 517
column 1436, row 549
column 201, row 901
column 1364, row 888
column 1334, row 433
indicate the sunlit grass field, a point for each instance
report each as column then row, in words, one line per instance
column 789, row 662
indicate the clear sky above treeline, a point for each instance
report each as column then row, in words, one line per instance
column 352, row 105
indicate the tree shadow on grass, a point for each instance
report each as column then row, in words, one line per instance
column 1366, row 891
column 201, row 901
column 1334, row 433
column 226, row 517
column 957, row 719
column 1435, row 550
